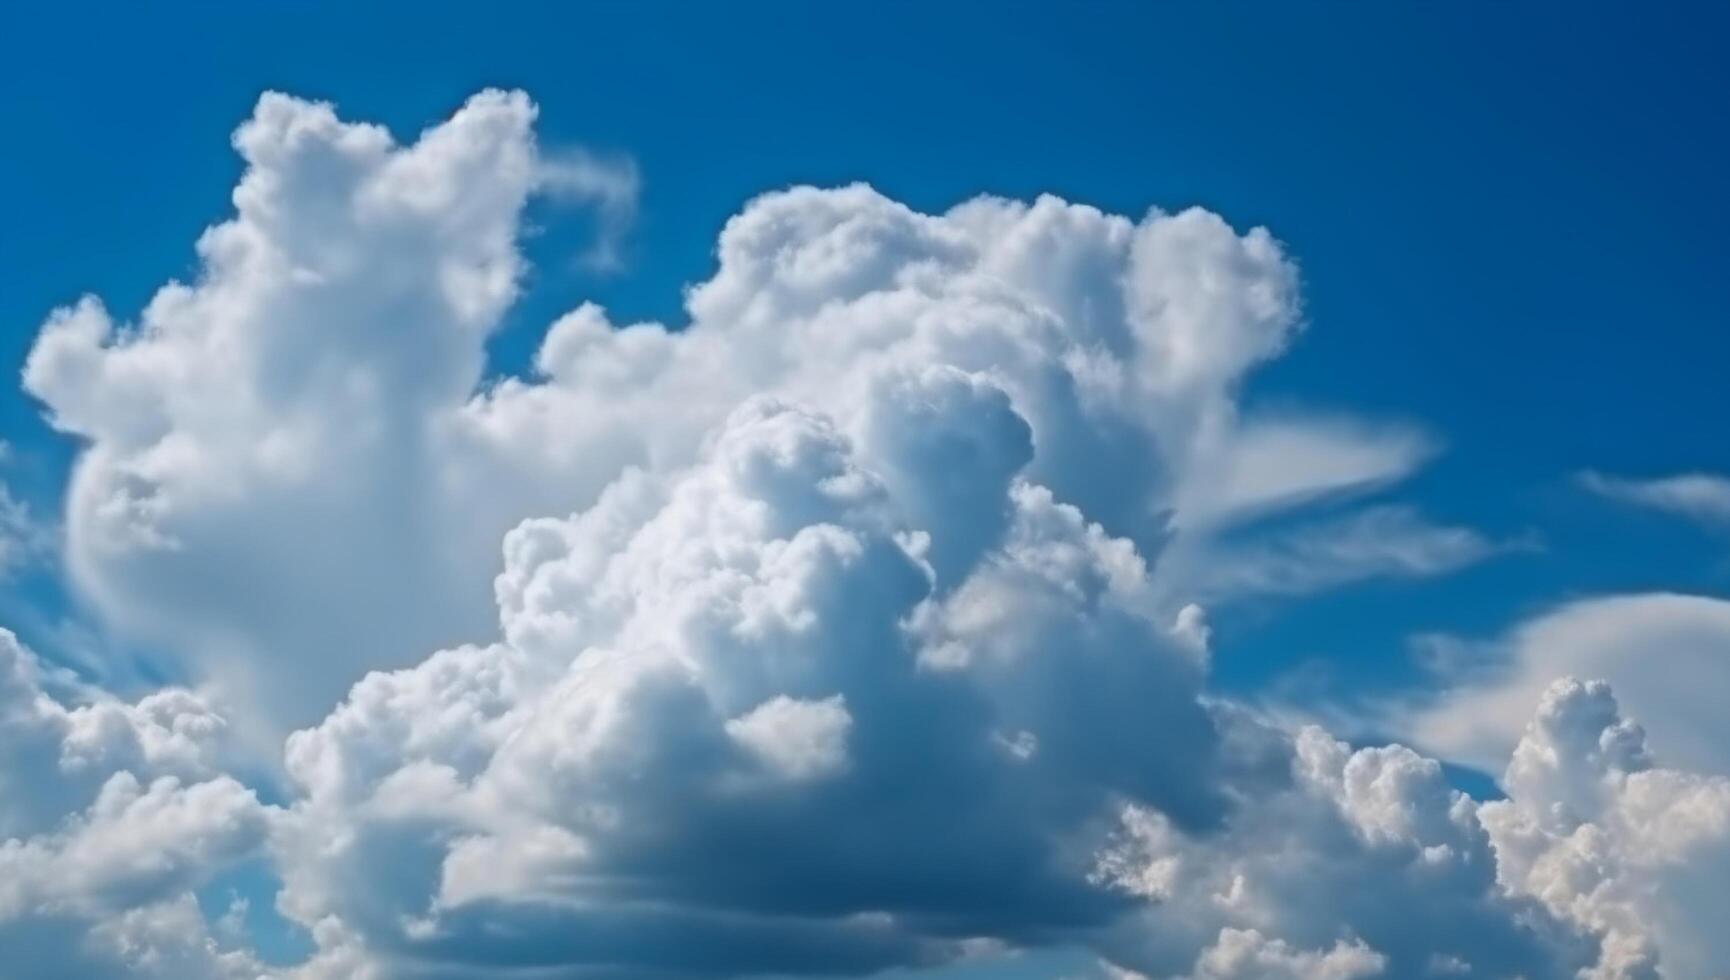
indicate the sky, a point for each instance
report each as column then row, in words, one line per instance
column 878, row 491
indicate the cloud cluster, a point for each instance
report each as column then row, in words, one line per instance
column 1363, row 862
column 850, row 625
column 738, row 725
column 110, row 814
column 1606, row 838
column 319, row 384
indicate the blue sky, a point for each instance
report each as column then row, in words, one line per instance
column 1507, row 221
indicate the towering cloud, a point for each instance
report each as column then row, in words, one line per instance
column 851, row 624
column 293, row 474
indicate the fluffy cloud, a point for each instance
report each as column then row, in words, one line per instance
column 1667, row 655
column 866, row 637
column 738, row 725
column 1606, row 838
column 1245, row 953
column 294, row 474
column 728, row 732
column 54, row 759
column 1364, row 862
column 109, row 815
column 259, row 490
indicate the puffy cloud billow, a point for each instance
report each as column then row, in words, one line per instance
column 852, row 624
column 111, row 814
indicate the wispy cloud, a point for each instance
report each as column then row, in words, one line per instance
column 23, row 538
column 608, row 183
column 1702, row 497
column 1390, row 541
column 1276, row 463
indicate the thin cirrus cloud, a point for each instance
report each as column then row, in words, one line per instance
column 1702, row 497
column 850, row 626
column 608, row 184
column 1382, row 541
column 1279, row 462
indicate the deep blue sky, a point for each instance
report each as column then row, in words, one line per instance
column 1510, row 219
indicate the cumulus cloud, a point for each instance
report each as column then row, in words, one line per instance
column 737, row 725
column 722, row 754
column 1702, row 497
column 850, row 625
column 1245, row 953
column 294, row 474
column 110, row 814
column 1364, row 862
column 1606, row 838
column 1667, row 655
column 258, row 489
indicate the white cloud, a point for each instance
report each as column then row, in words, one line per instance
column 1602, row 836
column 109, row 815
column 867, row 641
column 54, row 758
column 1668, row 657
column 1364, row 862
column 610, row 185
column 1247, row 955
column 307, row 412
column 1384, row 541
column 134, row 843
column 1277, row 462
column 580, row 794
column 1703, row 497
column 796, row 739
column 260, row 487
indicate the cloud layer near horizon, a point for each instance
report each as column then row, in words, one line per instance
column 850, row 625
